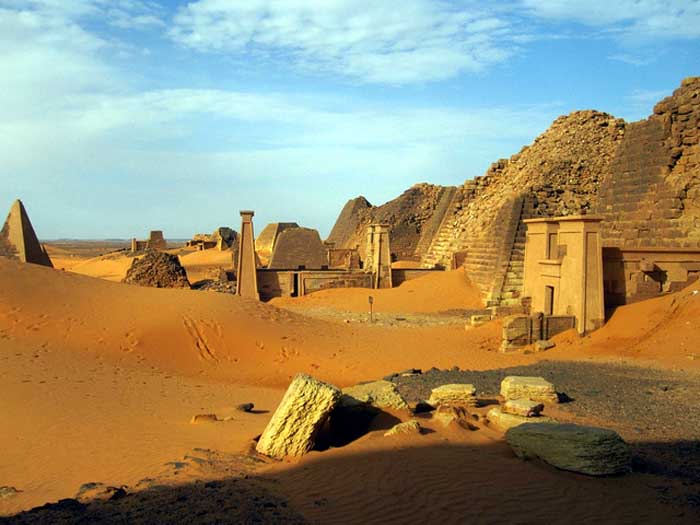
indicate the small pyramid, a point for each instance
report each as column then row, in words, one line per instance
column 18, row 240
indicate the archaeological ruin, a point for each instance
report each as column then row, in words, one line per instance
column 246, row 267
column 300, row 263
column 642, row 179
column 18, row 239
column 298, row 248
column 563, row 269
column 155, row 241
column 265, row 242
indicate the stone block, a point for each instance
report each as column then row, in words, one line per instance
column 522, row 407
column 447, row 414
column 379, row 394
column 461, row 394
column 588, row 450
column 543, row 345
column 534, row 388
column 407, row 427
column 503, row 421
column 302, row 412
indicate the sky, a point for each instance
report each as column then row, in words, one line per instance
column 122, row 116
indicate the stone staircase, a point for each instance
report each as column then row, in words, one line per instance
column 511, row 289
column 446, row 240
column 433, row 228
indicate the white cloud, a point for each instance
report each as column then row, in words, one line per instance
column 79, row 140
column 632, row 60
column 377, row 42
column 636, row 20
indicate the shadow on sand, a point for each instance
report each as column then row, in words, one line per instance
column 479, row 483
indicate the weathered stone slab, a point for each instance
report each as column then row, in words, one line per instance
column 447, row 414
column 460, row 394
column 522, row 407
column 304, row 408
column 534, row 388
column 502, row 421
column 204, row 418
column 379, row 394
column 407, row 427
column 588, row 450
column 543, row 345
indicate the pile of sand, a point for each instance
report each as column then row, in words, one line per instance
column 434, row 292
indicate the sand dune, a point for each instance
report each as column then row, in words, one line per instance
column 434, row 292
column 100, row 380
column 113, row 266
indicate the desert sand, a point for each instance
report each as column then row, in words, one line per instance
column 100, row 381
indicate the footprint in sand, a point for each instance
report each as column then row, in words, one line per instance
column 197, row 333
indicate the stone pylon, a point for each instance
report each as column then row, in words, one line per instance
column 246, row 268
column 378, row 255
column 18, row 240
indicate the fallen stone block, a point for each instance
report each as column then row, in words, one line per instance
column 535, row 388
column 302, row 412
column 407, row 427
column 502, row 421
column 7, row 492
column 522, row 407
column 379, row 394
column 543, row 345
column 460, row 394
column 447, row 414
column 204, row 418
column 588, row 450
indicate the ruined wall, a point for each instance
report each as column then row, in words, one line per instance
column 414, row 217
column 652, row 194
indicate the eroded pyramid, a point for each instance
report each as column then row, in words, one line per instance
column 18, row 240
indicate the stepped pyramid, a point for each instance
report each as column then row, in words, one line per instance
column 18, row 240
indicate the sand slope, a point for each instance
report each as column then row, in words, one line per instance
column 433, row 292
column 100, row 381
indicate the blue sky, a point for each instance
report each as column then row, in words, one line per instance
column 121, row 116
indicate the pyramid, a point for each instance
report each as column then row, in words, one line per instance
column 18, row 240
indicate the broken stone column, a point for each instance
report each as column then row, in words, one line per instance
column 246, row 269
column 300, row 415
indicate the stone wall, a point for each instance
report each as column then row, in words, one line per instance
column 651, row 197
